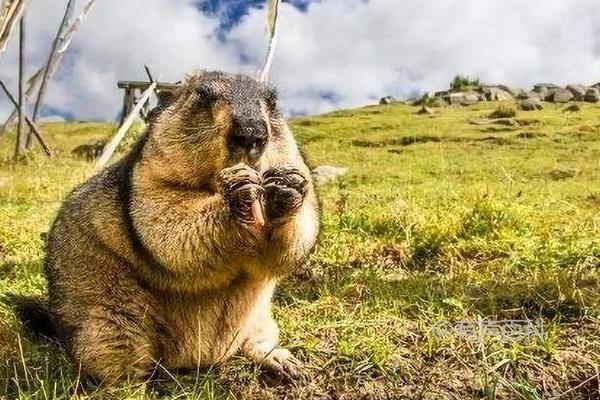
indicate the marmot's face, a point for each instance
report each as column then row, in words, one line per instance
column 217, row 120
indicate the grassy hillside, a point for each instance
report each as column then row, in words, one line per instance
column 437, row 219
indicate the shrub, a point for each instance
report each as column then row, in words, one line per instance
column 462, row 83
column 504, row 111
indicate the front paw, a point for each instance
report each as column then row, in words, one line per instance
column 285, row 189
column 242, row 191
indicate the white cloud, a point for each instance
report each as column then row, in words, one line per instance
column 352, row 51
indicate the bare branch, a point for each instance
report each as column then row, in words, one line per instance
column 110, row 148
column 273, row 14
column 11, row 14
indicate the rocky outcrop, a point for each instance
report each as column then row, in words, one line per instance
column 529, row 100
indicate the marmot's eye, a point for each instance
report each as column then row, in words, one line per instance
column 206, row 95
column 271, row 99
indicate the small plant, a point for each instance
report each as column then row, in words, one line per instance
column 504, row 111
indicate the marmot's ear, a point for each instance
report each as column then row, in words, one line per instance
column 165, row 99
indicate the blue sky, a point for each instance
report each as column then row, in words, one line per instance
column 331, row 54
column 230, row 12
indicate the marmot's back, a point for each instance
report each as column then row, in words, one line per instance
column 88, row 231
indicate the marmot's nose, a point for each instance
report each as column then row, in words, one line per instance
column 249, row 137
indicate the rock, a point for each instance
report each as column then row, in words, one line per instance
column 425, row 111
column 561, row 95
column 470, row 98
column 573, row 108
column 505, row 121
column 442, row 93
column 437, row 102
column 493, row 93
column 89, row 151
column 465, row 99
column 596, row 85
column 535, row 95
column 540, row 87
column 531, row 104
column 326, row 173
column 455, row 98
column 496, row 121
column 514, row 92
column 592, row 95
column 577, row 90
column 387, row 100
column 545, row 90
column 549, row 94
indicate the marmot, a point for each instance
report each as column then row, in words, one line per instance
column 159, row 259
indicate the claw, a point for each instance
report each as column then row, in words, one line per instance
column 257, row 213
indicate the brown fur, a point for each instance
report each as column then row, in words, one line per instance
column 147, row 262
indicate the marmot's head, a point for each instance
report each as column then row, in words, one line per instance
column 214, row 121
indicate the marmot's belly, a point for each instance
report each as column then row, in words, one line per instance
column 210, row 329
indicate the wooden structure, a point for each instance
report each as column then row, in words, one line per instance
column 134, row 91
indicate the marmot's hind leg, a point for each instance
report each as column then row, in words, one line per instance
column 112, row 346
column 262, row 347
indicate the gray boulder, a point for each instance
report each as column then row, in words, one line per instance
column 545, row 90
column 577, row 90
column 387, row 100
column 493, row 93
column 470, row 98
column 326, row 173
column 536, row 95
column 561, row 95
column 592, row 95
column 515, row 92
column 455, row 98
column 540, row 87
column 531, row 104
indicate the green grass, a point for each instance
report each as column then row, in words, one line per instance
column 437, row 219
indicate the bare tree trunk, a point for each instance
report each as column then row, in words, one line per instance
column 21, row 125
column 58, row 39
